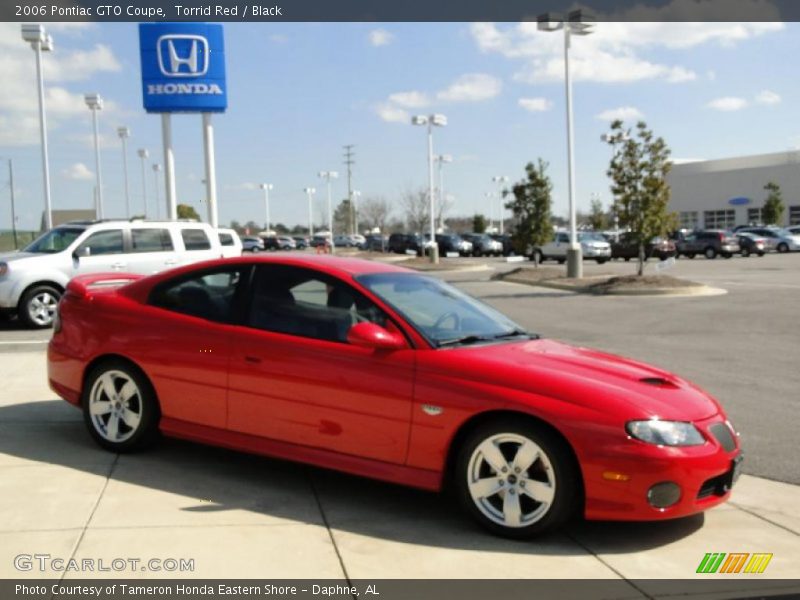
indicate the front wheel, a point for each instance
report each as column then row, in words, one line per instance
column 600, row 261
column 516, row 479
column 37, row 307
column 783, row 247
column 120, row 407
column 745, row 252
column 710, row 253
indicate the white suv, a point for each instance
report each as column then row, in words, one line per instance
column 593, row 246
column 33, row 279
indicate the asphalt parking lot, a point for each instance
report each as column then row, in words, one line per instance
column 237, row 515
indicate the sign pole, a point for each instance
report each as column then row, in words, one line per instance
column 169, row 166
column 211, row 174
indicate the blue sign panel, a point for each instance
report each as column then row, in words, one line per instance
column 740, row 201
column 183, row 67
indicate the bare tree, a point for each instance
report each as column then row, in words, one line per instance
column 374, row 212
column 417, row 208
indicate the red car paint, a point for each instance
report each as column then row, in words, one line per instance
column 360, row 410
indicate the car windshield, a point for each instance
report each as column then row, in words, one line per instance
column 440, row 312
column 591, row 237
column 55, row 240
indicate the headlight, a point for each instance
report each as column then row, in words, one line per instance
column 665, row 433
column 3, row 269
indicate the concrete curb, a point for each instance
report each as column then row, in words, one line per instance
column 701, row 290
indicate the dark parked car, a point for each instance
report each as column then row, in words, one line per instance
column 451, row 242
column 750, row 243
column 252, row 244
column 377, row 243
column 301, row 241
column 400, row 243
column 709, row 243
column 483, row 245
column 505, row 240
column 627, row 248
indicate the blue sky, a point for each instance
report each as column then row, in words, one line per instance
column 298, row 92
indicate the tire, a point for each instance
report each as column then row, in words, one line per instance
column 760, row 254
column 553, row 475
column 727, row 255
column 561, row 261
column 710, row 253
column 37, row 307
column 130, row 403
column 601, row 261
column 745, row 252
column 783, row 247
column 690, row 255
column 627, row 259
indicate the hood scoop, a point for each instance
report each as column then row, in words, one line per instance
column 658, row 382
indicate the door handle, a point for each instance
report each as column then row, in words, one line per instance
column 119, row 265
column 171, row 261
column 253, row 360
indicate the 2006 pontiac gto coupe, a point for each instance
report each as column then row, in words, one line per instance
column 382, row 372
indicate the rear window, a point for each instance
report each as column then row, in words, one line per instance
column 195, row 239
column 226, row 239
column 151, row 240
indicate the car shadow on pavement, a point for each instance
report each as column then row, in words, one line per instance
column 193, row 484
column 8, row 323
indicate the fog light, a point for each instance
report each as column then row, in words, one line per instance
column 664, row 494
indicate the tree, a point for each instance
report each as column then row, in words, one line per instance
column 598, row 218
column 531, row 209
column 772, row 213
column 638, row 172
column 479, row 224
column 187, row 212
column 374, row 212
column 342, row 217
column 417, row 209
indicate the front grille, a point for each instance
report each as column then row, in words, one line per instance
column 716, row 486
column 723, row 435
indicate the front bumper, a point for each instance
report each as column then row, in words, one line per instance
column 702, row 473
column 591, row 252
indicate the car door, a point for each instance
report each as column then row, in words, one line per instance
column 152, row 250
column 294, row 378
column 187, row 351
column 100, row 252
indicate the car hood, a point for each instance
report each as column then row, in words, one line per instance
column 10, row 257
column 594, row 379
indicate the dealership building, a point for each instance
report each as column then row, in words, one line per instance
column 721, row 194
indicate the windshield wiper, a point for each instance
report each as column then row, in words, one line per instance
column 515, row 333
column 473, row 339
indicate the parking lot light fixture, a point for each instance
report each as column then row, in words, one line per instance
column 577, row 22
column 310, row 191
column 95, row 103
column 500, row 180
column 144, row 154
column 327, row 176
column 41, row 41
column 441, row 159
column 124, row 133
column 266, row 187
column 431, row 121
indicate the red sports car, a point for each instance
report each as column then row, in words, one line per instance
column 387, row 373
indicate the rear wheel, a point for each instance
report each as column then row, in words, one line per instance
column 760, row 254
column 783, row 247
column 516, row 479
column 561, row 261
column 745, row 252
column 710, row 253
column 120, row 407
column 37, row 307
column 690, row 255
column 600, row 261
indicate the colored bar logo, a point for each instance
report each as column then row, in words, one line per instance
column 734, row 562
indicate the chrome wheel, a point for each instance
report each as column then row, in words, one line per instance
column 511, row 480
column 115, row 406
column 42, row 308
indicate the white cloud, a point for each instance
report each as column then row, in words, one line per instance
column 535, row 104
column 727, row 104
column 613, row 53
column 392, row 114
column 623, row 113
column 411, row 99
column 473, row 87
column 768, row 97
column 380, row 37
column 78, row 172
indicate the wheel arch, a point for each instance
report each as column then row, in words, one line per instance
column 49, row 282
column 480, row 419
column 111, row 357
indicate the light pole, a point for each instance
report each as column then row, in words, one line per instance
column 310, row 191
column 576, row 23
column 266, row 187
column 500, row 180
column 95, row 103
column 156, row 171
column 13, row 209
column 441, row 159
column 356, row 195
column 124, row 133
column 490, row 197
column 144, row 154
column 328, row 175
column 41, row 41
column 435, row 120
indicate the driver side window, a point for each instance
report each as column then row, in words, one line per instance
column 102, row 242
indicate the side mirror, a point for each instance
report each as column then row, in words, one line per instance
column 370, row 335
column 82, row 252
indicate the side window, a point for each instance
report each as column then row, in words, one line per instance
column 308, row 304
column 150, row 240
column 103, row 242
column 208, row 296
column 562, row 237
column 226, row 239
column 195, row 239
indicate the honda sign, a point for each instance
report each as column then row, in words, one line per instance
column 183, row 67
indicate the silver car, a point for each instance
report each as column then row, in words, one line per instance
column 779, row 239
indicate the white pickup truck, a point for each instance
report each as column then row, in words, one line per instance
column 593, row 246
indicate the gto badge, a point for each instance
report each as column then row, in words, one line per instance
column 430, row 409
